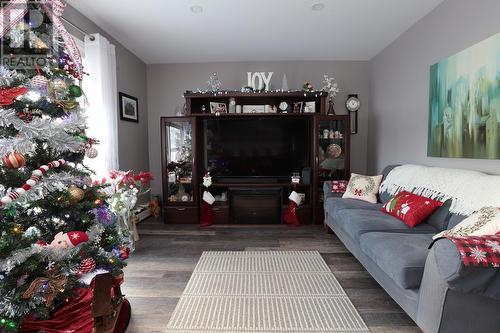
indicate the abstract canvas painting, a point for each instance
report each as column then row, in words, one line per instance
column 465, row 103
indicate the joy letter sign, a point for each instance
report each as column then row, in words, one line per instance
column 259, row 80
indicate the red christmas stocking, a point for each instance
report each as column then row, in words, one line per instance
column 290, row 216
column 207, row 214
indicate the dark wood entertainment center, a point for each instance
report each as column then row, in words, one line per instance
column 253, row 200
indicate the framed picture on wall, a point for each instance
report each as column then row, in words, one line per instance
column 129, row 107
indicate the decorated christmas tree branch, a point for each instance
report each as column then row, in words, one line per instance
column 35, row 177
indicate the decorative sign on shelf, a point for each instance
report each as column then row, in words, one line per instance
column 259, row 80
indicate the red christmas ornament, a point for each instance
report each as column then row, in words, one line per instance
column 87, row 265
column 25, row 116
column 14, row 160
column 124, row 252
column 8, row 95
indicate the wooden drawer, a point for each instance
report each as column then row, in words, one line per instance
column 221, row 214
column 181, row 215
column 304, row 215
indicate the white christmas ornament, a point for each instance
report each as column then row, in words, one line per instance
column 32, row 232
column 39, row 82
column 284, row 83
column 6, row 200
column 91, row 152
column 214, row 82
column 207, row 180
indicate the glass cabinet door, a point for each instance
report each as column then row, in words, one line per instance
column 332, row 150
column 178, row 154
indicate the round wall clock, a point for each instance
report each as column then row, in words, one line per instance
column 352, row 104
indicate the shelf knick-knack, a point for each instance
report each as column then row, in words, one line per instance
column 232, row 105
column 331, row 111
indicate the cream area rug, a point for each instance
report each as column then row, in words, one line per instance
column 264, row 291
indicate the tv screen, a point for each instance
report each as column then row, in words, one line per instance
column 263, row 147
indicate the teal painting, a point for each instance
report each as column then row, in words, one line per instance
column 465, row 103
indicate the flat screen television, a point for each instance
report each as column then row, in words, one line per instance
column 251, row 148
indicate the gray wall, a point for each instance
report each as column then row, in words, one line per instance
column 399, row 83
column 166, row 84
column 131, row 77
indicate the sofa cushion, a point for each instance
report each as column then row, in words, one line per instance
column 410, row 208
column 485, row 221
column 363, row 187
column 356, row 222
column 440, row 218
column 334, row 205
column 400, row 255
column 384, row 196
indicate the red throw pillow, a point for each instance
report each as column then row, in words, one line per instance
column 339, row 186
column 410, row 208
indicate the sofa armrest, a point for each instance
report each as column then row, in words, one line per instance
column 467, row 279
column 452, row 296
column 327, row 190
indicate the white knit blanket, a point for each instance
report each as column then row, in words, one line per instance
column 469, row 190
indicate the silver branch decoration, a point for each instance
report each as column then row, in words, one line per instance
column 331, row 86
column 57, row 133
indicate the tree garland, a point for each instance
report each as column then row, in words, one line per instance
column 35, row 177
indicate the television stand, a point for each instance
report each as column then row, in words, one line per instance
column 187, row 140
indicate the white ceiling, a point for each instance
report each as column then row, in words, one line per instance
column 166, row 31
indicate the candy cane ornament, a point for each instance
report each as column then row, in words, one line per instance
column 35, row 178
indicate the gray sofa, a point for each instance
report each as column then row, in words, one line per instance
column 431, row 285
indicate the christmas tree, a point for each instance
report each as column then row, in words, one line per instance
column 55, row 224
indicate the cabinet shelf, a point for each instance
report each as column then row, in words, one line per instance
column 250, row 184
column 330, row 139
column 258, row 114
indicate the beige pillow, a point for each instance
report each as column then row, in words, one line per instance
column 485, row 221
column 363, row 188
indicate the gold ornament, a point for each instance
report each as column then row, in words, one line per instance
column 52, row 285
column 76, row 194
column 17, row 229
column 57, row 85
column 67, row 104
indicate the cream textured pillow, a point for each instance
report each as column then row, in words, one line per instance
column 363, row 188
column 485, row 221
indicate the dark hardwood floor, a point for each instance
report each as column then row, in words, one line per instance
column 166, row 255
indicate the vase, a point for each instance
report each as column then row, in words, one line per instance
column 127, row 229
column 330, row 107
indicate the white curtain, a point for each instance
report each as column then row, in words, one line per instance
column 100, row 89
